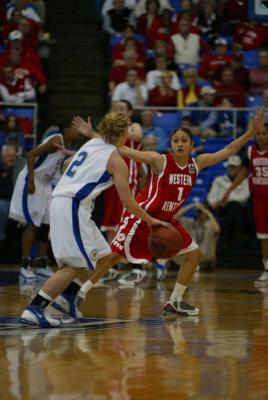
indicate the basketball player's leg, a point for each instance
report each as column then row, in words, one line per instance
column 175, row 304
column 43, row 270
column 60, row 290
column 28, row 239
column 263, row 278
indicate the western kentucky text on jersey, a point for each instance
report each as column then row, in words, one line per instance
column 180, row 179
column 164, row 194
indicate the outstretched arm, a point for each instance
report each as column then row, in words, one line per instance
column 152, row 158
column 117, row 167
column 49, row 147
column 256, row 123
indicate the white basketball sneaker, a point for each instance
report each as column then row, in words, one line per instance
column 262, row 280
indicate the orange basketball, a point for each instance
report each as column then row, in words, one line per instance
column 164, row 242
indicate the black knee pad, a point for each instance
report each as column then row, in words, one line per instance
column 42, row 233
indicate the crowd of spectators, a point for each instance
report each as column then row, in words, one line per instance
column 23, row 69
column 187, row 53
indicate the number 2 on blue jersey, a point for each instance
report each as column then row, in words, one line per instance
column 73, row 167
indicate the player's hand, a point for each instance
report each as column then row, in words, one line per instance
column 257, row 122
column 31, row 187
column 225, row 198
column 84, row 127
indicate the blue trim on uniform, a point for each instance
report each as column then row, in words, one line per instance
column 89, row 187
column 25, row 203
column 77, row 234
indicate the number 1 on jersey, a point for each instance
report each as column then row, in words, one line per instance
column 180, row 190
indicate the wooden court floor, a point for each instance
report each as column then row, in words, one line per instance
column 125, row 349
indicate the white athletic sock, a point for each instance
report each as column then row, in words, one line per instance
column 45, row 295
column 178, row 291
column 265, row 264
column 85, row 288
column 78, row 282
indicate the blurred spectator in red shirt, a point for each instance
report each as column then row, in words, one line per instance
column 30, row 33
column 241, row 73
column 190, row 94
column 161, row 49
column 11, row 25
column 234, row 12
column 27, row 53
column 249, row 35
column 163, row 95
column 229, row 89
column 15, row 90
column 118, row 74
column 26, row 69
column 150, row 23
column 116, row 19
column 259, row 76
column 212, row 63
column 129, row 44
column 166, row 30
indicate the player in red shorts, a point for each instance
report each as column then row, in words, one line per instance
column 112, row 205
column 170, row 182
column 256, row 169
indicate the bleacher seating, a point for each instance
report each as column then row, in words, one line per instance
column 167, row 120
column 251, row 58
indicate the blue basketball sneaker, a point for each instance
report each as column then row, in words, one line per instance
column 67, row 304
column 35, row 316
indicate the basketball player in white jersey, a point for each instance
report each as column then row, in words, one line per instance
column 31, row 198
column 113, row 207
column 77, row 243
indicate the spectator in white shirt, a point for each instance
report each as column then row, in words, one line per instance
column 232, row 213
column 131, row 90
column 185, row 46
column 153, row 78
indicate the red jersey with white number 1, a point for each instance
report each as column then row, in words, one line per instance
column 165, row 193
column 258, row 166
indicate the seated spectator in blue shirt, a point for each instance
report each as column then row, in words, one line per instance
column 10, row 126
column 206, row 120
column 149, row 129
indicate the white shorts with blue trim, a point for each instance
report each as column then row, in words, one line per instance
column 75, row 239
column 32, row 209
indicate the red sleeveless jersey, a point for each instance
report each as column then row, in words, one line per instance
column 164, row 194
column 258, row 166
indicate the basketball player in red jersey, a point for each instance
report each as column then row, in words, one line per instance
column 171, row 180
column 256, row 168
column 113, row 207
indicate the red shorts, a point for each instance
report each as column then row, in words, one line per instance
column 131, row 240
column 260, row 210
column 112, row 210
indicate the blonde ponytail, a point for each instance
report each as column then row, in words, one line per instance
column 112, row 127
